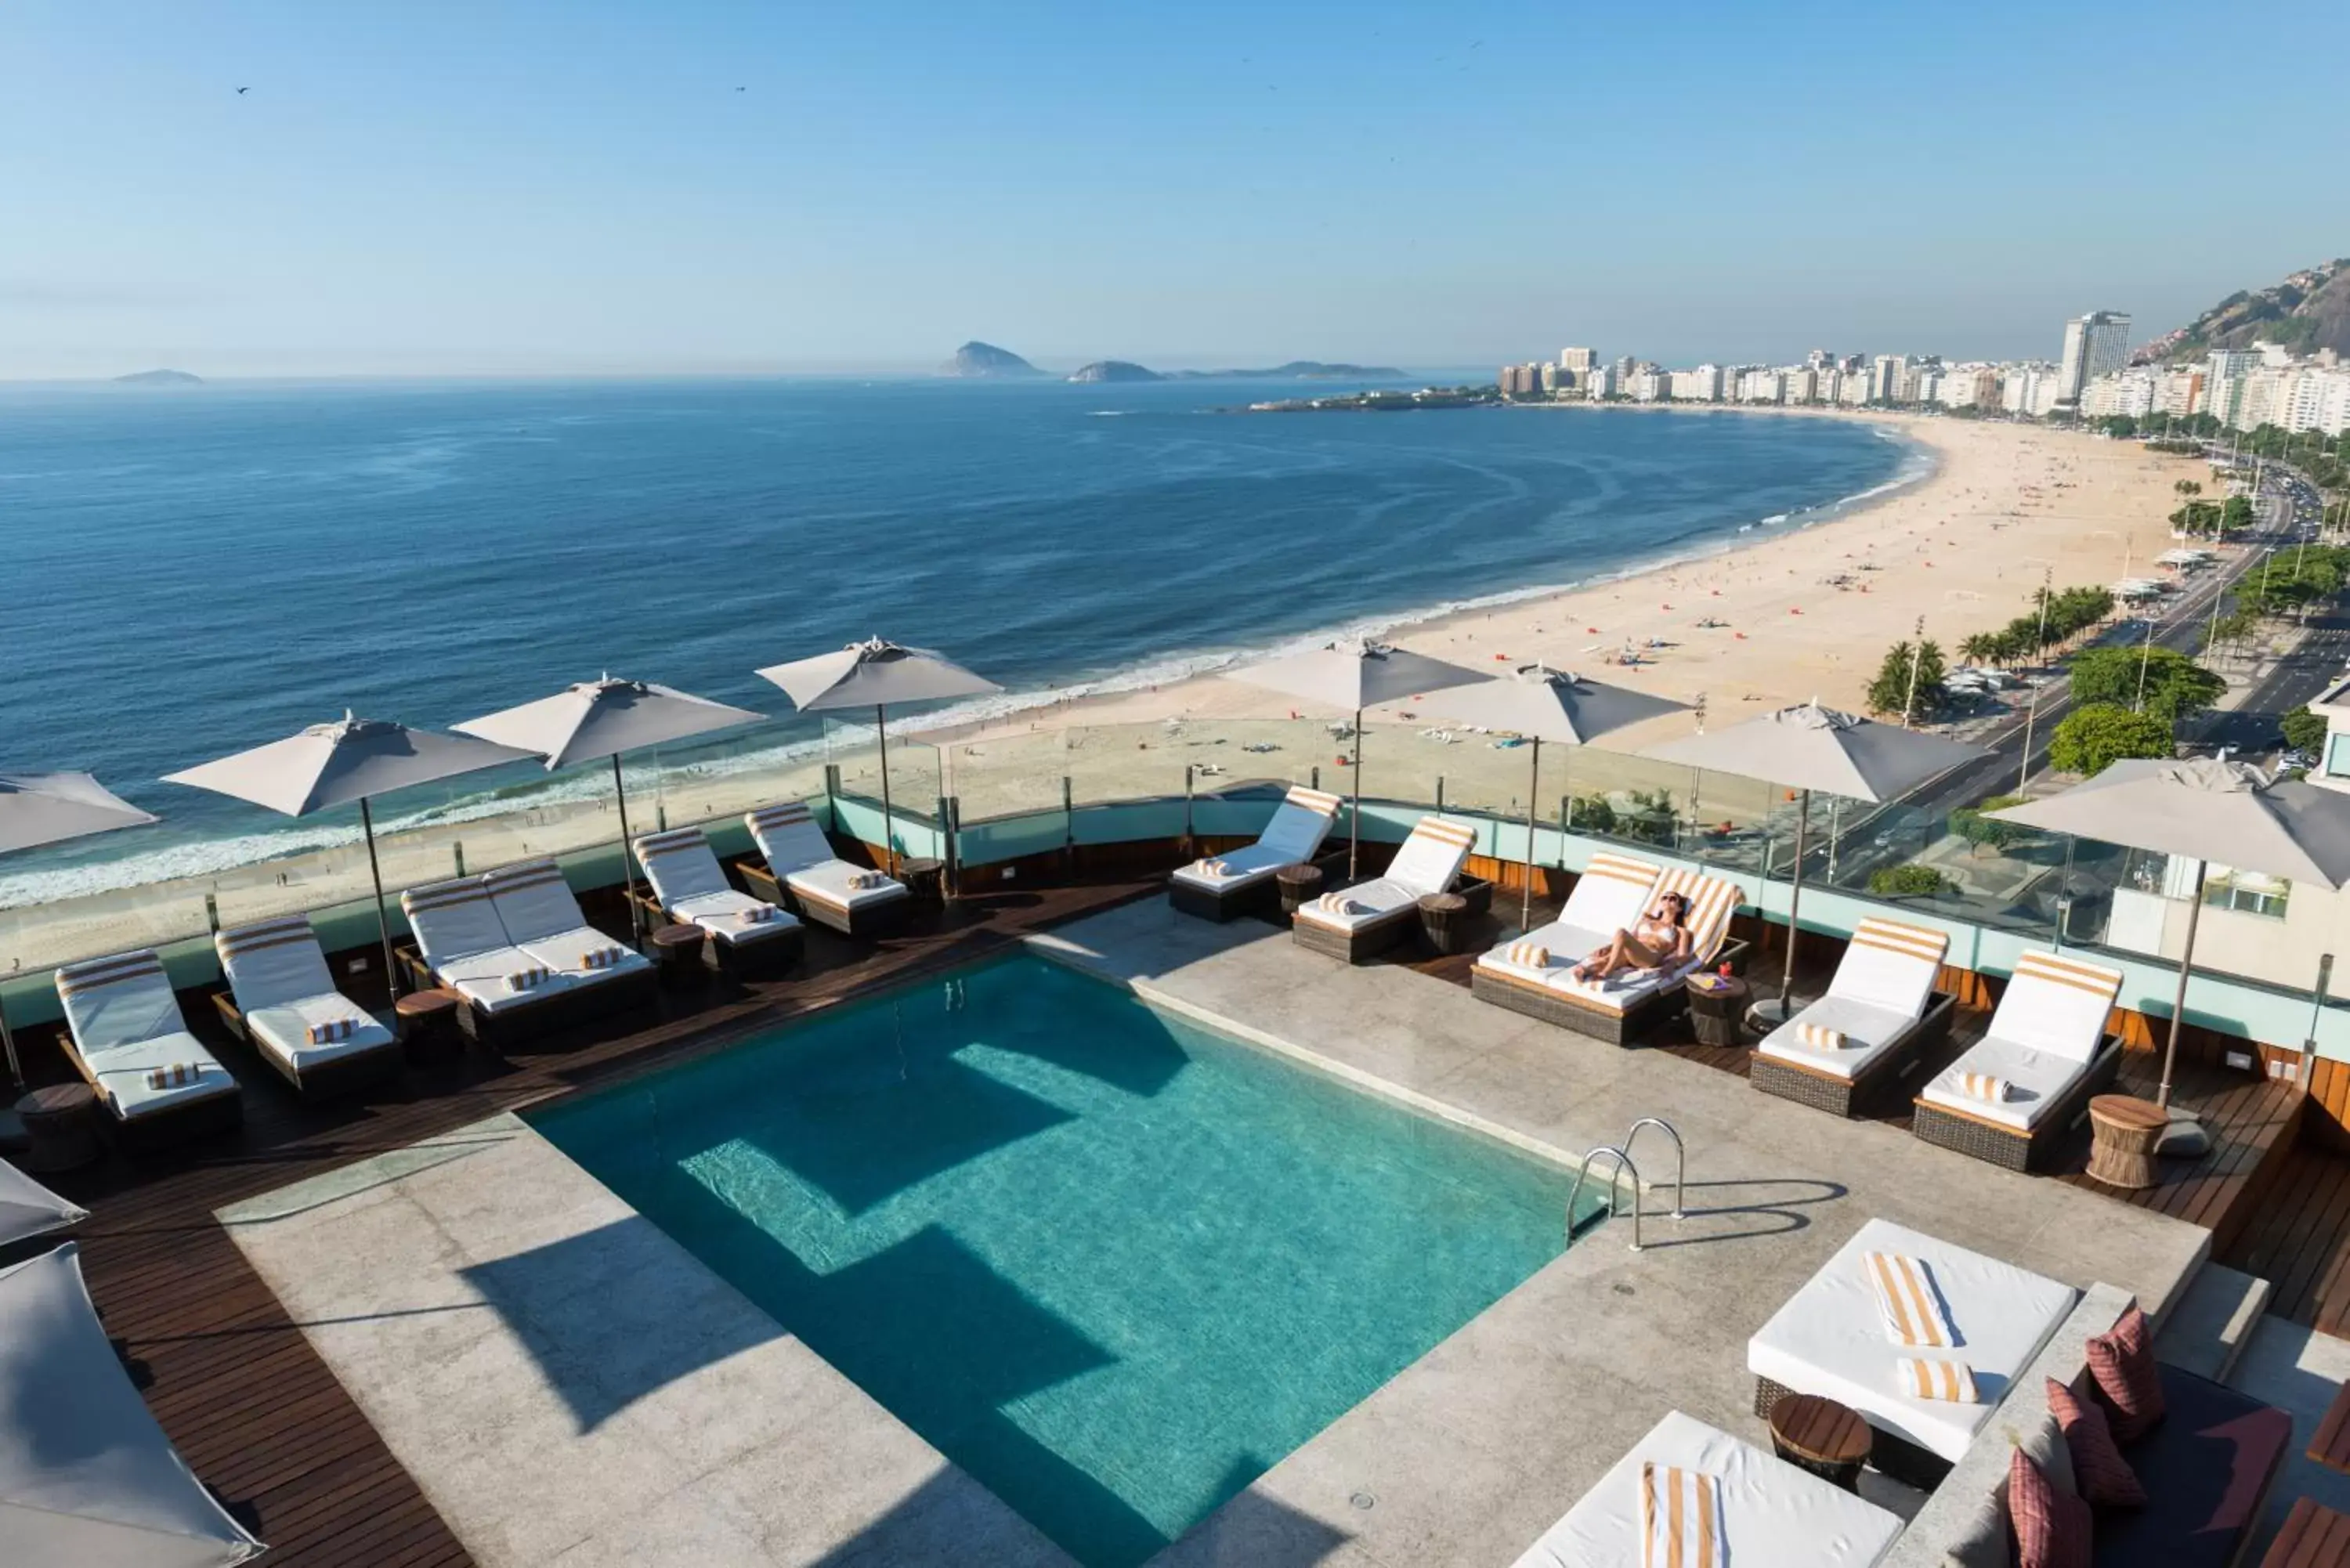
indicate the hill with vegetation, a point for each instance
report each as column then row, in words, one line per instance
column 159, row 378
column 2307, row 311
column 1117, row 370
column 978, row 361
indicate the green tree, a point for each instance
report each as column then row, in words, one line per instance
column 1592, row 813
column 2304, row 730
column 1980, row 647
column 2092, row 738
column 1914, row 881
column 2175, row 686
column 1978, row 830
column 1908, row 683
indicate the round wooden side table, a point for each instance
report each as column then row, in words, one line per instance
column 925, row 878
column 2124, row 1132
column 1716, row 1003
column 1813, row 1432
column 1442, row 916
column 60, row 1129
column 678, row 951
column 427, row 1022
column 1300, row 884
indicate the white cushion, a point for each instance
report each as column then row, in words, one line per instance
column 533, row 902
column 2036, row 1079
column 1243, row 866
column 2057, row 1004
column 1298, row 828
column 121, row 1073
column 1829, row 1338
column 566, row 954
column 1891, row 965
column 1626, row 988
column 788, row 838
column 119, row 1002
column 1772, row 1514
column 273, row 962
column 721, row 914
column 283, row 1029
column 453, row 920
column 1431, row 858
column 1378, row 898
column 1869, row 1031
column 681, row 865
column 1569, row 945
column 1610, row 895
column 480, row 978
column 827, row 882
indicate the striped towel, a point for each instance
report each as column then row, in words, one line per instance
column 1529, row 955
column 1985, row 1086
column 1339, row 904
column 526, row 978
column 600, row 958
column 173, row 1076
column 758, row 914
column 1208, row 865
column 863, row 879
column 1680, row 1518
column 1948, row 1381
column 329, row 1032
column 1906, row 1298
column 1820, row 1037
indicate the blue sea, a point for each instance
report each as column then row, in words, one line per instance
column 190, row 572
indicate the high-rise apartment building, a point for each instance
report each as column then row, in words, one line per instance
column 1578, row 361
column 2095, row 345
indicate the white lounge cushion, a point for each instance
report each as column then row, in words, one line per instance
column 1890, row 964
column 1772, row 1514
column 1869, row 1031
column 453, row 919
column 1569, row 945
column 566, row 952
column 1248, row 864
column 1610, row 895
column 2036, row 1079
column 1300, row 823
column 827, row 882
column 722, row 915
column 1829, row 1338
column 1626, row 988
column 1430, row 860
column 1377, row 899
column 283, row 1029
column 534, row 901
column 273, row 962
column 121, row 1073
column 2057, row 1004
column 801, row 856
column 126, row 1022
column 481, row 979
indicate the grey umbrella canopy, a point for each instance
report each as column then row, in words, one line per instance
column 86, row 1474
column 877, row 674
column 37, row 809
column 351, row 759
column 2206, row 810
column 603, row 718
column 1546, row 704
column 1353, row 674
column 1810, row 748
column 27, row 1209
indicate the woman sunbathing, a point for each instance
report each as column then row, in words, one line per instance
column 1660, row 941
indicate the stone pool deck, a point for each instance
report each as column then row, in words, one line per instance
column 571, row 1387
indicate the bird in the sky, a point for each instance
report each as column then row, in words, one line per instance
column 742, row 89
column 241, row 91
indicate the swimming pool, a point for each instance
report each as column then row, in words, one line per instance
column 1112, row 1263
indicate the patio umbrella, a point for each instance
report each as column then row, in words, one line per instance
column 1545, row 704
column 876, row 674
column 28, row 1210
column 349, row 760
column 2206, row 810
column 603, row 718
column 1807, row 748
column 1356, row 674
column 51, row 808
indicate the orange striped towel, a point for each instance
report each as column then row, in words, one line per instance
column 526, row 978
column 1905, row 1297
column 1339, row 904
column 1948, row 1381
column 1212, row 866
column 600, row 958
column 333, row 1030
column 758, row 914
column 1680, row 1518
column 1819, row 1036
column 1529, row 955
column 173, row 1076
column 1984, row 1086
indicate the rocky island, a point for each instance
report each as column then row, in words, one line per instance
column 159, row 378
column 985, row 362
column 1117, row 370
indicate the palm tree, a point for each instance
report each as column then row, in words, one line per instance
column 1980, row 648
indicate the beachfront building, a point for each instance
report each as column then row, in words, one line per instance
column 1852, row 388
column 2182, row 392
column 1759, row 385
column 2095, row 345
column 1799, row 384
column 1884, row 376
column 2134, row 393
column 1702, row 385
column 1600, row 382
column 1578, row 360
column 1651, row 384
column 1972, row 386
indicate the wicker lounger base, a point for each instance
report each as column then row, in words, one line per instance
column 1261, row 896
column 762, row 960
column 1626, row 1028
column 1870, row 1089
column 2006, row 1147
column 213, row 1115
column 1893, row 1456
column 572, row 1007
column 345, row 1075
column 1373, row 938
column 865, row 922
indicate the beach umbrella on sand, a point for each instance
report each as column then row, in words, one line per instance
column 1356, row 674
column 51, row 808
column 876, row 674
column 2206, row 810
column 352, row 759
column 603, row 718
column 1545, row 704
column 1808, row 748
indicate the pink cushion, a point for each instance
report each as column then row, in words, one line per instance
column 2104, row 1476
column 2051, row 1529
column 2121, row 1362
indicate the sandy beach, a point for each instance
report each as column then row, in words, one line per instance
column 1802, row 611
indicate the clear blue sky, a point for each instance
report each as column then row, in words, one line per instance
column 425, row 186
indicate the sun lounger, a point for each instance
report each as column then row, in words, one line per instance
column 461, row 944
column 1881, row 1016
column 2048, row 1045
column 543, row 918
column 801, row 870
column 1241, row 881
column 1772, row 1515
column 1625, row 1007
column 282, row 1002
column 129, row 1039
column 1371, row 917
column 1831, row 1338
column 747, row 936
column 1609, row 896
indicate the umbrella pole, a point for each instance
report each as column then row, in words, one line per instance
column 881, row 741
column 1794, row 903
column 9, row 1041
column 382, row 921
column 2178, row 999
column 1533, row 794
column 628, row 877
column 1355, row 817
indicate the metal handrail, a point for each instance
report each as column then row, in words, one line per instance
column 1681, row 1156
column 1614, row 1190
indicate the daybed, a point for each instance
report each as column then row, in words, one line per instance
column 2047, row 1044
column 748, row 938
column 282, row 1002
column 1243, row 881
column 129, row 1040
column 801, row 870
column 1371, row 917
column 1844, row 1052
column 510, row 991
column 1622, row 1008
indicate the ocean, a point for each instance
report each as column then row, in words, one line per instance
column 190, row 572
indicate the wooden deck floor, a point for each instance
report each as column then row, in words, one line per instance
column 2300, row 1245
column 256, row 1413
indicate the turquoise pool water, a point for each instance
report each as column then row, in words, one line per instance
column 1111, row 1263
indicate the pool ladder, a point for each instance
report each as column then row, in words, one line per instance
column 1621, row 1154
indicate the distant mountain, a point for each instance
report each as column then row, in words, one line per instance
column 978, row 361
column 159, row 379
column 1301, row 371
column 2308, row 311
column 1117, row 370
